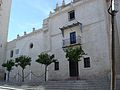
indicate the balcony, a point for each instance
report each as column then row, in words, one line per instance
column 68, row 42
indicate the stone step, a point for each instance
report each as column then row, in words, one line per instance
column 76, row 85
column 70, row 85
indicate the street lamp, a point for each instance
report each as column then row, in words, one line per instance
column 115, row 5
column 113, row 9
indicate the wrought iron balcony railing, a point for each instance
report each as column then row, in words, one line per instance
column 69, row 42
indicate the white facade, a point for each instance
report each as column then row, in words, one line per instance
column 93, row 30
column 5, row 6
column 94, row 37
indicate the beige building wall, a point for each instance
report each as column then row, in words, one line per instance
column 4, row 23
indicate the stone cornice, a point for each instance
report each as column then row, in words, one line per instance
column 27, row 35
column 70, row 26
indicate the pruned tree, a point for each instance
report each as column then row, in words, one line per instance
column 45, row 59
column 23, row 61
column 9, row 66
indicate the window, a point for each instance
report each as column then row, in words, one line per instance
column 72, row 37
column 56, row 65
column 11, row 53
column 87, row 62
column 71, row 15
column 17, row 51
column 31, row 45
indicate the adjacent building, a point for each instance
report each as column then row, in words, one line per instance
column 5, row 6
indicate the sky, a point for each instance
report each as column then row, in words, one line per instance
column 26, row 14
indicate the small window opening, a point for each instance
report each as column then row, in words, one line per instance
column 31, row 45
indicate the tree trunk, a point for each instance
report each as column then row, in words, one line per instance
column 22, row 75
column 45, row 72
column 8, row 76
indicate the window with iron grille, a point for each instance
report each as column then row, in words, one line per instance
column 11, row 53
column 56, row 65
column 72, row 37
column 71, row 15
column 87, row 62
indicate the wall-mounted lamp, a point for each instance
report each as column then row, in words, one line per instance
column 115, row 5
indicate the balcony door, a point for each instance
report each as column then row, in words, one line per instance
column 72, row 37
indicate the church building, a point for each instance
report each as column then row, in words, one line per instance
column 80, row 22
